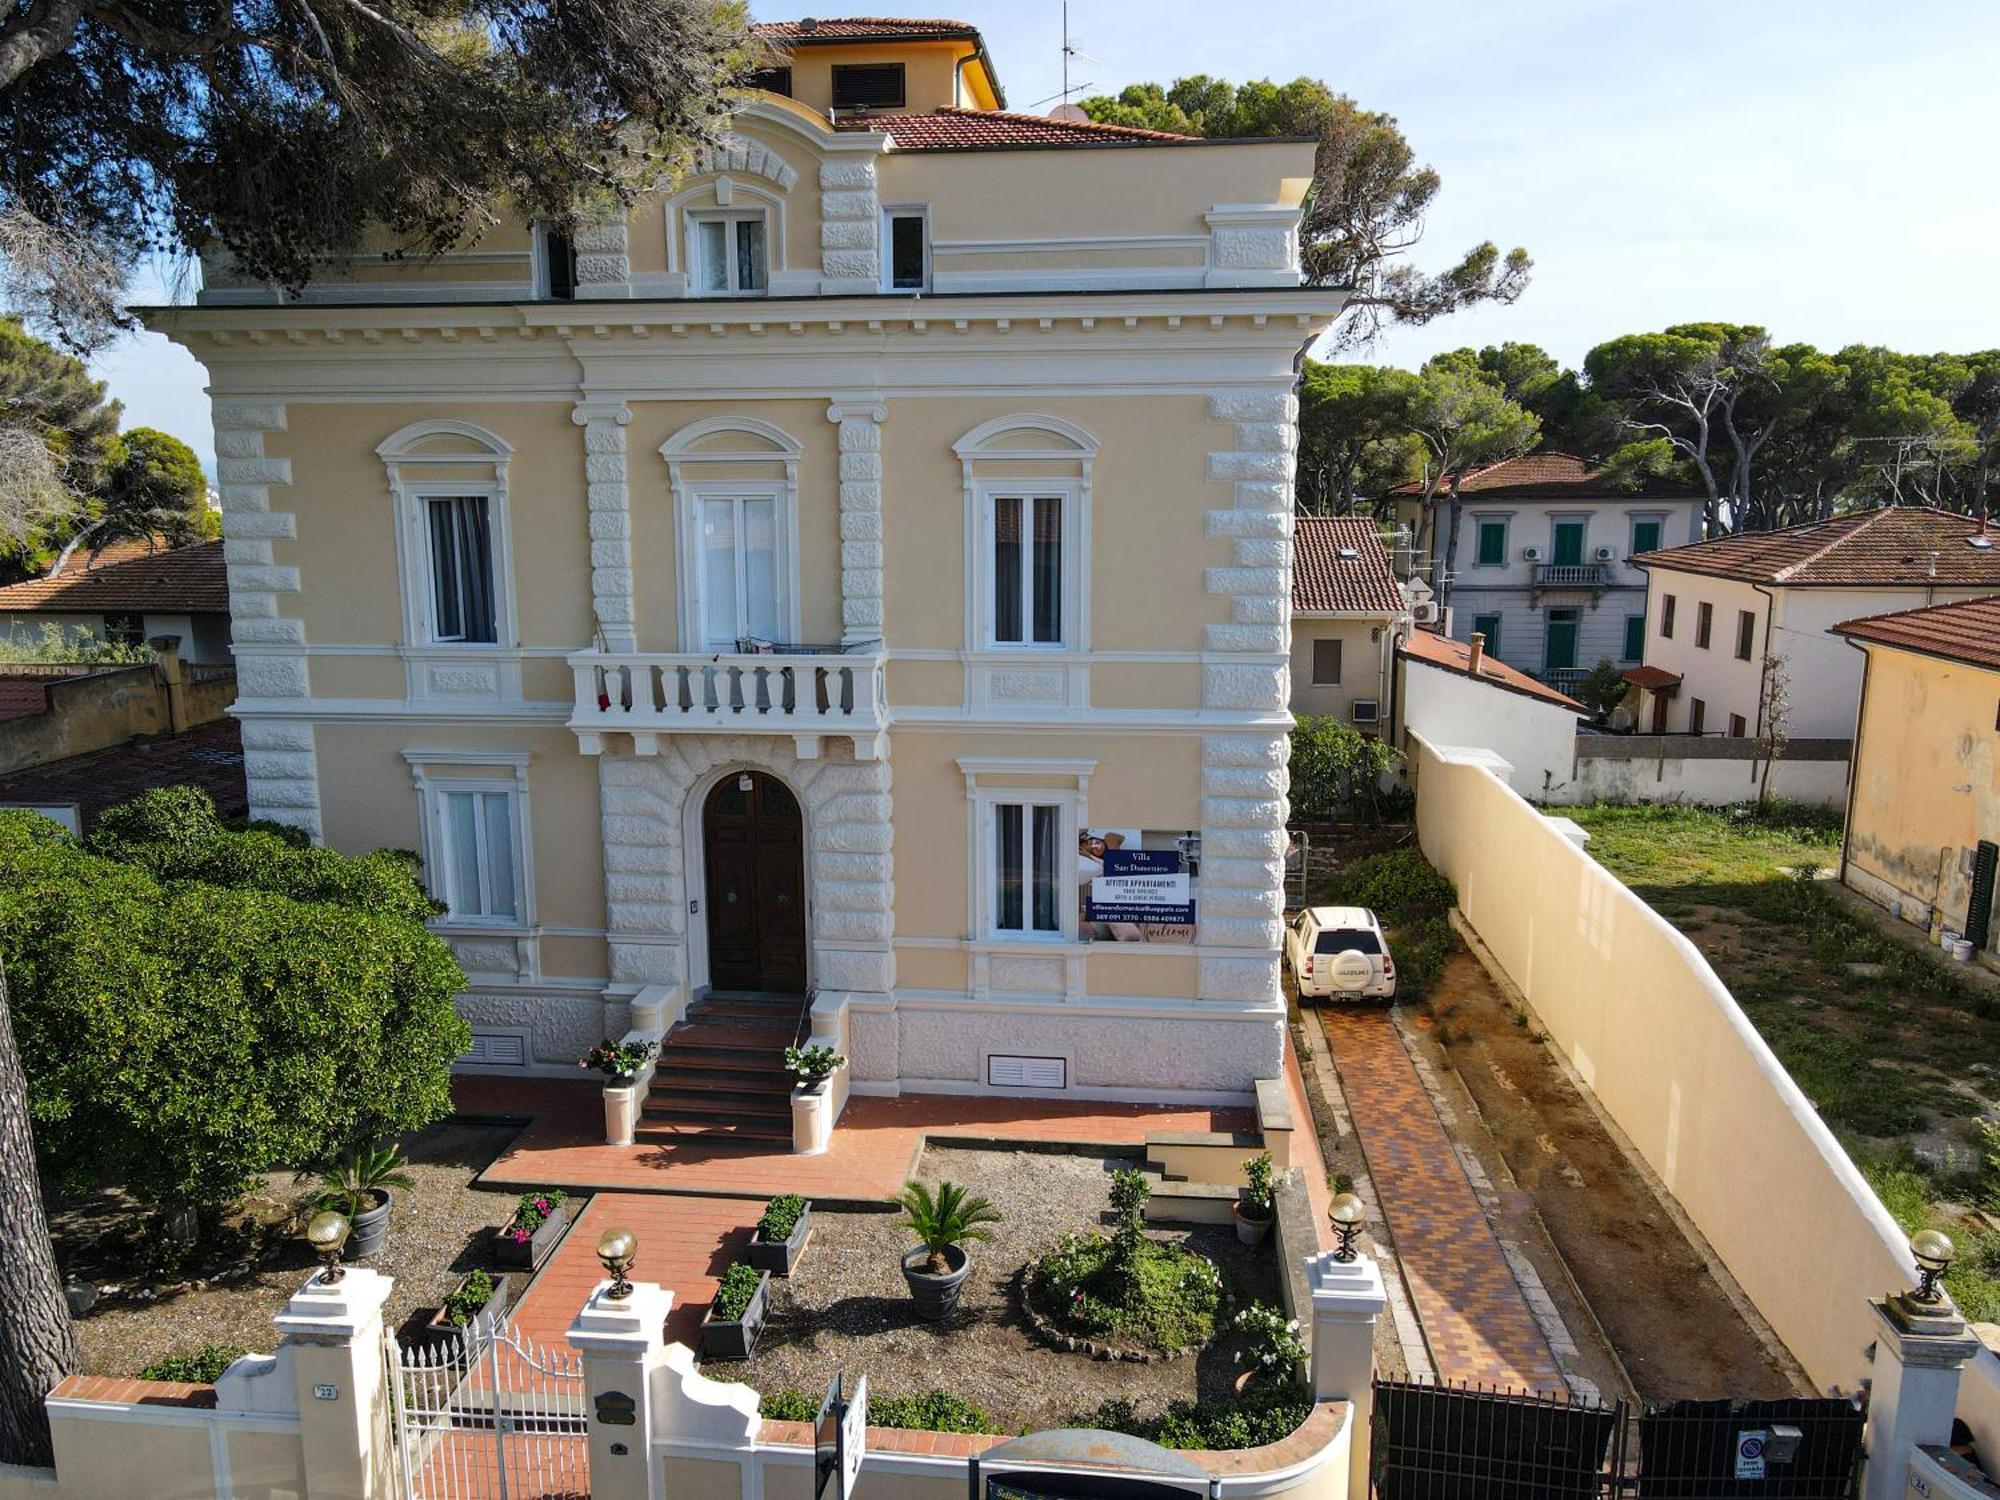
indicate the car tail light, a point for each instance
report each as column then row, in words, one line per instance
column 1388, row 967
column 1309, row 968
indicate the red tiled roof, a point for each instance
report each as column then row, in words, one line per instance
column 1651, row 677
column 860, row 29
column 210, row 757
column 974, row 129
column 1437, row 650
column 1967, row 631
column 1324, row 580
column 28, row 693
column 1897, row 544
column 190, row 579
column 1563, row 475
column 122, row 550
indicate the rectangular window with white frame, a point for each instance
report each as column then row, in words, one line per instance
column 742, row 569
column 477, row 858
column 458, row 539
column 1027, row 570
column 906, row 250
column 729, row 254
column 1028, row 884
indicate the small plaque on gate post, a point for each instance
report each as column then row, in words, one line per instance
column 616, row 1409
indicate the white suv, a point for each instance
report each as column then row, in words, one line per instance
column 1339, row 952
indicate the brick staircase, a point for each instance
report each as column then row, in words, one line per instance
column 721, row 1073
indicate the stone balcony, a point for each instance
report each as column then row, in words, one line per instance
column 803, row 692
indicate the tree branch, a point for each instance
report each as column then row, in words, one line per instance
column 48, row 29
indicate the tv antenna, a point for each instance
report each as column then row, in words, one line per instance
column 1066, row 110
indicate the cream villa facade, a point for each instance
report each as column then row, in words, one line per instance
column 816, row 580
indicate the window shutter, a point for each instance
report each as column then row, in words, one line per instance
column 868, row 86
column 1326, row 663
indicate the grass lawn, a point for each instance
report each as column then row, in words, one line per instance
column 1880, row 1037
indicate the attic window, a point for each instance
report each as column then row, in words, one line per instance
column 868, row 86
column 1348, row 554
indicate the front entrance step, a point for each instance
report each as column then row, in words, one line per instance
column 719, row 1130
column 733, row 1036
column 748, row 1009
column 668, row 1082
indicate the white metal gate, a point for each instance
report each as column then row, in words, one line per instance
column 483, row 1413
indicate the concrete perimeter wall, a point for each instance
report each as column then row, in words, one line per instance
column 1707, row 771
column 1663, row 1045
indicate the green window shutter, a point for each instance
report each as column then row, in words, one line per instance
column 1569, row 544
column 1635, row 637
column 1645, row 536
column 1488, row 626
column 1492, row 543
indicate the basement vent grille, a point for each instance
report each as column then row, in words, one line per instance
column 497, row 1049
column 1009, row 1072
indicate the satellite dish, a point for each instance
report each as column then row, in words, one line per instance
column 1069, row 112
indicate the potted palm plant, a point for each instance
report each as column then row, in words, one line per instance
column 944, row 1222
column 363, row 1187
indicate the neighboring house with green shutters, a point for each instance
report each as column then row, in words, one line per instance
column 1542, row 568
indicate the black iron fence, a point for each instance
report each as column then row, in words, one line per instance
column 1444, row 1442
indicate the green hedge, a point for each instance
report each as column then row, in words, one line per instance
column 1248, row 1421
column 196, row 1005
column 202, row 1366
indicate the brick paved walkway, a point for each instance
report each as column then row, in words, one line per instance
column 1474, row 1318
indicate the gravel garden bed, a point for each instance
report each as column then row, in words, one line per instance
column 227, row 1290
column 845, row 1307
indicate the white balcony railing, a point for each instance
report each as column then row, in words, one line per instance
column 1572, row 575
column 779, row 692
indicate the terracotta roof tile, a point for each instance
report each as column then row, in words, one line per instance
column 190, row 579
column 1651, row 677
column 1897, row 544
column 1322, row 579
column 210, row 757
column 1553, row 473
column 1967, row 631
column 28, row 693
column 963, row 129
column 1456, row 656
column 860, row 29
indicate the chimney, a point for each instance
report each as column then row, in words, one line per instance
column 1478, row 656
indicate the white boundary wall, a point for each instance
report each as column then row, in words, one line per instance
column 1669, row 1054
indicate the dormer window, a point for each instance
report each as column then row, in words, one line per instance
column 868, row 86
column 729, row 254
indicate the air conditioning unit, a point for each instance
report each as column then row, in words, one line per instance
column 1425, row 612
column 1531, row 554
column 1367, row 711
column 1606, row 554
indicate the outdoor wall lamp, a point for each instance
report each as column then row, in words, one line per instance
column 1346, row 1212
column 1934, row 1253
column 327, row 1232
column 618, row 1249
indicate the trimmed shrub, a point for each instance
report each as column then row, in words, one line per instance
column 929, row 1411
column 202, row 1366
column 1249, row 1421
column 195, row 1006
column 781, row 1217
column 734, row 1292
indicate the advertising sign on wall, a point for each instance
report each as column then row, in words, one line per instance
column 1138, row 885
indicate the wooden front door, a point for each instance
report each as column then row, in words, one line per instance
column 754, row 852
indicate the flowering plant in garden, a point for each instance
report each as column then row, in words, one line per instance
column 1275, row 1346
column 814, row 1064
column 531, row 1213
column 618, row 1059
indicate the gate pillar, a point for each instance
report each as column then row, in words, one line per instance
column 1347, row 1297
column 1913, row 1387
column 333, row 1334
column 622, row 1341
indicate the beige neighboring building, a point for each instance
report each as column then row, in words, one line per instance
column 810, row 581
column 1347, row 611
column 1717, row 609
column 1923, row 812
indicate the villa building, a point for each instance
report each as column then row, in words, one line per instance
column 864, row 569
column 1543, row 567
column 1720, row 613
column 1347, row 613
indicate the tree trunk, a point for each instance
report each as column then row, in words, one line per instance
column 1451, row 546
column 37, row 1343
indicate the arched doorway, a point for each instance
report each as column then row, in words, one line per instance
column 753, row 853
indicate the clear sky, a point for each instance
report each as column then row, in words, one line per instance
column 1828, row 168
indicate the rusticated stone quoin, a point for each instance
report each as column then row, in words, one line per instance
column 280, row 771
column 610, row 509
column 1244, row 805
